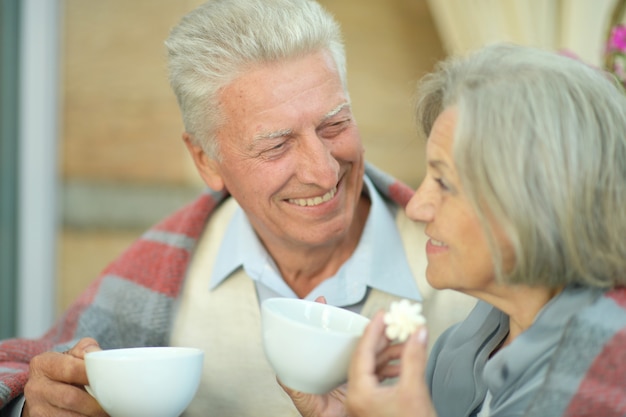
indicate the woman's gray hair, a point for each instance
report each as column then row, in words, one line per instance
column 220, row 40
column 540, row 146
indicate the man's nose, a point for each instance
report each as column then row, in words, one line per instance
column 317, row 165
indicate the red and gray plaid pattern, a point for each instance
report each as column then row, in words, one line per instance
column 131, row 302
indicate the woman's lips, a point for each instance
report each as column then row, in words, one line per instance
column 435, row 246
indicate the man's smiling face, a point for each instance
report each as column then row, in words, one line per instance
column 290, row 151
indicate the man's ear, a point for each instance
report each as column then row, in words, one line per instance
column 207, row 167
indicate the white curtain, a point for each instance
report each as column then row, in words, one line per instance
column 578, row 26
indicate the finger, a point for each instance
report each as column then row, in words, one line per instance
column 288, row 390
column 76, row 399
column 83, row 346
column 363, row 362
column 388, row 354
column 47, row 397
column 388, row 371
column 412, row 377
column 387, row 361
column 296, row 396
column 414, row 357
column 306, row 404
column 321, row 299
column 59, row 367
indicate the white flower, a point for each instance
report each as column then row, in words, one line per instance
column 402, row 319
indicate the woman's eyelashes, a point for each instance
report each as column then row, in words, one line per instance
column 442, row 183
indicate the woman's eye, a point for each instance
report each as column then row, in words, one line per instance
column 442, row 184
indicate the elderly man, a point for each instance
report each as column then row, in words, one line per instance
column 294, row 211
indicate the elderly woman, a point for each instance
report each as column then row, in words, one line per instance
column 524, row 203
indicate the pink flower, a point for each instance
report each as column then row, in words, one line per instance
column 617, row 39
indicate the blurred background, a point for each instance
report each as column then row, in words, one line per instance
column 90, row 146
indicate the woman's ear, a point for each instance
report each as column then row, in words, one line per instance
column 207, row 167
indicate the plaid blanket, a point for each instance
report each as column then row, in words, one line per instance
column 132, row 301
column 587, row 376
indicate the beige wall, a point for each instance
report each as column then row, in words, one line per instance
column 121, row 150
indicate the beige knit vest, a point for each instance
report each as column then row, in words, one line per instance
column 237, row 381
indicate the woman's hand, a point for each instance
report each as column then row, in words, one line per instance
column 408, row 396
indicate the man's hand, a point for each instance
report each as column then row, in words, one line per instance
column 310, row 405
column 326, row 405
column 55, row 385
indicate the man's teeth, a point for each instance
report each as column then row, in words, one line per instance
column 303, row 202
column 437, row 243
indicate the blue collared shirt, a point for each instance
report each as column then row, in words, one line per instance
column 379, row 261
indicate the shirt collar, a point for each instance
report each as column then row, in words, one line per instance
column 379, row 260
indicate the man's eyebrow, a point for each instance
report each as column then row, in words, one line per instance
column 336, row 110
column 287, row 132
column 272, row 135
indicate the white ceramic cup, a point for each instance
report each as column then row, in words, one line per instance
column 308, row 344
column 144, row 381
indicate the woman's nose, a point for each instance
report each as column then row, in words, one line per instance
column 421, row 207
